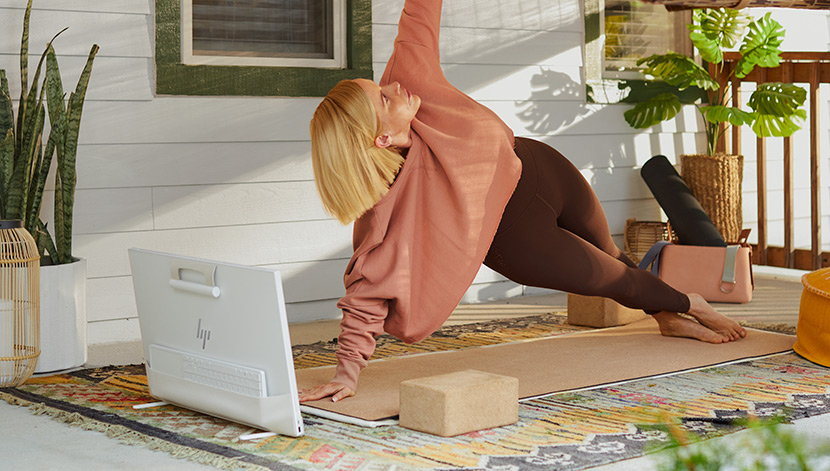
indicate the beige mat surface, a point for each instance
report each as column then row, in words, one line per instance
column 546, row 365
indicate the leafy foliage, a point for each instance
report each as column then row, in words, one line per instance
column 678, row 70
column 714, row 30
column 776, row 106
column 733, row 116
column 656, row 110
column 766, row 446
column 761, row 46
column 777, row 110
column 25, row 163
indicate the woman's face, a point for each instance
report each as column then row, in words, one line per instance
column 396, row 108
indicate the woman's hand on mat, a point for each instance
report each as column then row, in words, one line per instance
column 337, row 392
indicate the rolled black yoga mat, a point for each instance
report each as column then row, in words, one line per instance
column 687, row 217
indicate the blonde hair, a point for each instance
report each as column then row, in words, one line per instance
column 351, row 173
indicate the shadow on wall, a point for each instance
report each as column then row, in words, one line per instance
column 544, row 86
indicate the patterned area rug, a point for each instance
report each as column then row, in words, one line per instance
column 567, row 431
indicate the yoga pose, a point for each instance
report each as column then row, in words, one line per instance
column 436, row 187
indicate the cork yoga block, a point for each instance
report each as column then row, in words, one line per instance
column 594, row 311
column 460, row 402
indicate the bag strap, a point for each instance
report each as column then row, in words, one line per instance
column 730, row 263
column 652, row 257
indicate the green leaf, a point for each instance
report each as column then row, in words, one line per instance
column 777, row 98
column 722, row 114
column 656, row 110
column 30, row 115
column 641, row 90
column 715, row 29
column 678, row 70
column 725, row 27
column 60, row 222
column 6, row 106
column 6, row 169
column 30, row 127
column 709, row 49
column 31, row 195
column 39, row 184
column 44, row 241
column 761, row 47
column 24, row 53
column 777, row 108
column 54, row 88
column 66, row 163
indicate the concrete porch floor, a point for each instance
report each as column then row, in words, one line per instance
column 40, row 443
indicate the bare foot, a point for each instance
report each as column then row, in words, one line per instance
column 706, row 315
column 673, row 325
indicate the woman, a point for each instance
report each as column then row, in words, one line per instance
column 434, row 190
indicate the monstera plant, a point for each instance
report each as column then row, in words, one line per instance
column 775, row 108
column 25, row 161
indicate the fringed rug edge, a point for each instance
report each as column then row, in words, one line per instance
column 131, row 437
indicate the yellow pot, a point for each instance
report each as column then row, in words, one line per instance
column 813, row 331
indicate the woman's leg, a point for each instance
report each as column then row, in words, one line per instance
column 554, row 234
column 538, row 252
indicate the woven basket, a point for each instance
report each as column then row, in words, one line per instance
column 716, row 182
column 813, row 330
column 641, row 235
column 689, row 4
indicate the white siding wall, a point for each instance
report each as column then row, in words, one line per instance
column 229, row 178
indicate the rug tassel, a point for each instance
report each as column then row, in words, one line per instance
column 131, row 437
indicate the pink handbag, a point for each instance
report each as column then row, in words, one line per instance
column 719, row 274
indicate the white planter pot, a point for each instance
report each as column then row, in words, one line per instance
column 62, row 316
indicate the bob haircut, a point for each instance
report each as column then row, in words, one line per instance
column 351, row 173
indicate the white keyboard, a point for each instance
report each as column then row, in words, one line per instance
column 209, row 372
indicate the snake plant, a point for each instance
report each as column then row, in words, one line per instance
column 775, row 107
column 25, row 161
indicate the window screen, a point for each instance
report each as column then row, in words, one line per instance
column 634, row 30
column 264, row 28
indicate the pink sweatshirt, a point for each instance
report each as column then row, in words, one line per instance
column 419, row 248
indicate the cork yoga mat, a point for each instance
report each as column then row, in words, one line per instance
column 546, row 365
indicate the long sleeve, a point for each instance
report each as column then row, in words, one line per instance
column 364, row 309
column 415, row 60
column 420, row 24
column 360, row 325
column 419, row 248
column 364, row 316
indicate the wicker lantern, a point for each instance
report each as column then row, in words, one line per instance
column 19, row 304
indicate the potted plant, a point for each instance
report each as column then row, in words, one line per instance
column 24, row 167
column 775, row 108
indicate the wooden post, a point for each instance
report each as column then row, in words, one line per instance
column 789, row 219
column 761, row 160
column 815, row 188
column 736, row 102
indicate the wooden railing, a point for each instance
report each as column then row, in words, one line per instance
column 812, row 69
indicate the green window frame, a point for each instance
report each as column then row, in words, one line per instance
column 175, row 78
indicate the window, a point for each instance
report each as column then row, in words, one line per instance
column 634, row 30
column 261, row 47
column 618, row 33
column 264, row 32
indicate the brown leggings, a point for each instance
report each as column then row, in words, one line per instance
column 554, row 234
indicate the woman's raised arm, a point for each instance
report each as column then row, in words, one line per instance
column 420, row 23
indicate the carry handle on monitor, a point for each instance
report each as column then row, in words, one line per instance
column 207, row 270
